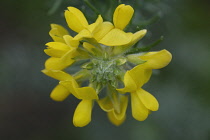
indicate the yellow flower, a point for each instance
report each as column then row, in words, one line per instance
column 62, row 50
column 82, row 114
column 143, row 102
column 104, row 32
column 133, row 81
column 78, row 23
column 68, row 85
column 121, row 18
column 99, row 50
column 115, row 107
column 156, row 60
column 57, row 32
column 153, row 60
column 59, row 93
column 86, row 93
column 75, row 19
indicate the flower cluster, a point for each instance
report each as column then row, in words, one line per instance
column 106, row 71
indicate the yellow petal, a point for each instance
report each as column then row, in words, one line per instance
column 114, row 120
column 102, row 30
column 138, row 75
column 134, row 39
column 56, row 49
column 59, row 93
column 148, row 100
column 156, row 60
column 71, row 85
column 55, row 53
column 68, row 58
column 105, row 104
column 70, row 42
column 115, row 37
column 137, row 36
column 75, row 19
column 122, row 16
column 95, row 25
column 61, row 30
column 133, row 79
column 83, row 34
column 54, row 63
column 57, row 74
column 61, row 63
column 147, row 75
column 123, row 48
column 123, row 107
column 58, row 46
column 139, row 111
column 129, row 83
column 86, row 93
column 57, row 32
column 82, row 114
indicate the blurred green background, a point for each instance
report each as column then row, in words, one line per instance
column 182, row 88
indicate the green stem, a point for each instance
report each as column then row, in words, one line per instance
column 92, row 7
column 145, row 48
column 54, row 7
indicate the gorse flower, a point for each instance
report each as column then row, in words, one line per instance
column 106, row 72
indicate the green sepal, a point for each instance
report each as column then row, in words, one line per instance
column 121, row 61
column 134, row 58
column 87, row 66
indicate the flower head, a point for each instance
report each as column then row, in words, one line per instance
column 100, row 49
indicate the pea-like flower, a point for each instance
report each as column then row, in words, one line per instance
column 143, row 102
column 106, row 74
